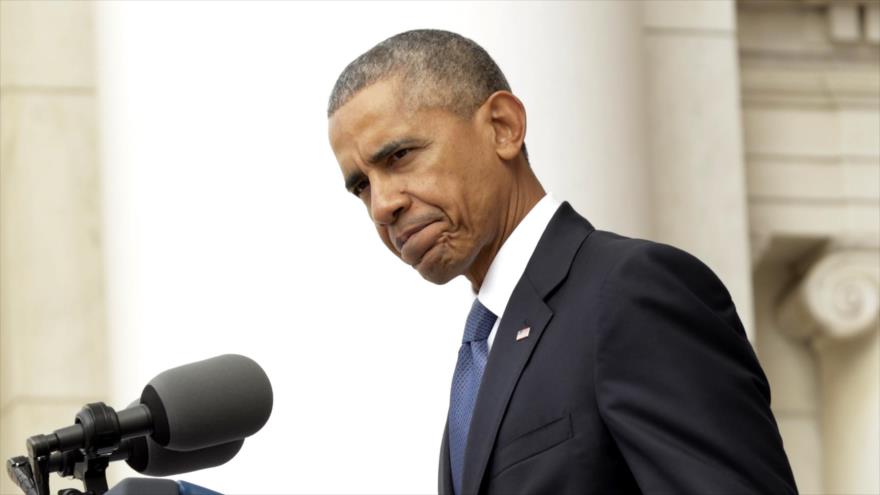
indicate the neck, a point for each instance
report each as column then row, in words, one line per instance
column 525, row 194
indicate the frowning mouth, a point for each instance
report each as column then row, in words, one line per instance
column 400, row 240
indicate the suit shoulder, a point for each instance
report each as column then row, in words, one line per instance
column 639, row 260
column 613, row 246
column 614, row 250
column 618, row 247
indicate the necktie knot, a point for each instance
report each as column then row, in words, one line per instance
column 479, row 323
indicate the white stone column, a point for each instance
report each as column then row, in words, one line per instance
column 587, row 118
column 694, row 138
column 836, row 308
column 51, row 277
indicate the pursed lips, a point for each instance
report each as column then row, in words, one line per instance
column 400, row 240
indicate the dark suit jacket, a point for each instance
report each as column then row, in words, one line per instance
column 636, row 377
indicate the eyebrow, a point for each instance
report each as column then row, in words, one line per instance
column 384, row 152
column 389, row 148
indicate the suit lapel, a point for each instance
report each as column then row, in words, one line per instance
column 506, row 362
column 547, row 268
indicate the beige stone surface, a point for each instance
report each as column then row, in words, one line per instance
column 688, row 14
column 791, row 131
column 789, row 364
column 813, row 132
column 850, row 378
column 833, row 308
column 699, row 183
column 860, row 132
column 780, row 81
column 52, row 323
column 52, row 303
column 813, row 169
column 849, row 221
column 811, row 120
column 804, row 178
column 603, row 173
column 872, row 22
column 808, row 84
column 790, row 369
column 843, row 21
column 781, row 27
column 46, row 44
column 838, row 297
column 803, row 445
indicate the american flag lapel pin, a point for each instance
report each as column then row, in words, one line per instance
column 523, row 333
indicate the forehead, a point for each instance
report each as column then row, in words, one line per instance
column 374, row 115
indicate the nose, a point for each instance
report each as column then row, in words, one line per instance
column 387, row 201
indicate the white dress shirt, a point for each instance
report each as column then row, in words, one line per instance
column 510, row 262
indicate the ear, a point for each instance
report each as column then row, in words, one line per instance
column 507, row 117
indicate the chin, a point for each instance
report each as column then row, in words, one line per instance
column 437, row 278
column 438, row 270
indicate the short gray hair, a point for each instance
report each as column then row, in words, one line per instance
column 438, row 69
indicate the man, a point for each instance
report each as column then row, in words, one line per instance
column 591, row 363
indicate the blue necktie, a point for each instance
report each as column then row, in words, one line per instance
column 472, row 358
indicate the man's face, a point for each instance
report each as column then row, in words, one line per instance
column 429, row 178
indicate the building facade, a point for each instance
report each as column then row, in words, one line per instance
column 759, row 152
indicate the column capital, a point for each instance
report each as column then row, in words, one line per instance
column 838, row 297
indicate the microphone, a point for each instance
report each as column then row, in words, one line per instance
column 190, row 417
column 197, row 405
column 207, row 403
column 148, row 457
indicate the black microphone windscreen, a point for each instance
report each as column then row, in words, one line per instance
column 148, row 457
column 207, row 403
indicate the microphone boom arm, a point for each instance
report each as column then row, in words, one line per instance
column 82, row 450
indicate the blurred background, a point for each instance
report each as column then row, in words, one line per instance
column 167, row 194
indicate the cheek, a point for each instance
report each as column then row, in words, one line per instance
column 468, row 193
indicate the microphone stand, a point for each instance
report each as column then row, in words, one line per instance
column 82, row 451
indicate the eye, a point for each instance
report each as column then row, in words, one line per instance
column 399, row 154
column 360, row 187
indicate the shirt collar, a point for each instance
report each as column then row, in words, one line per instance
column 510, row 262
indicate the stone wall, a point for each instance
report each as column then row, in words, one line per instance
column 810, row 74
column 51, row 278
